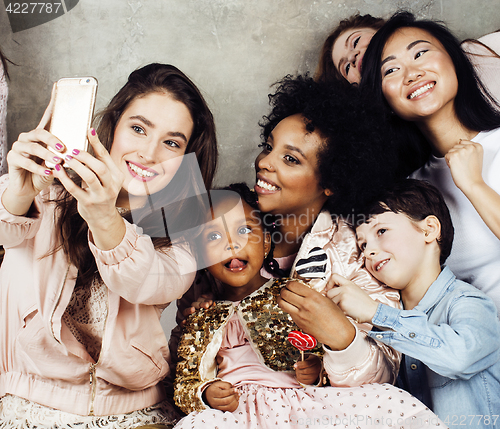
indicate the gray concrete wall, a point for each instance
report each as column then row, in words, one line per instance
column 232, row 49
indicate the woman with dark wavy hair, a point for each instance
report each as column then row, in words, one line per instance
column 92, row 259
column 419, row 68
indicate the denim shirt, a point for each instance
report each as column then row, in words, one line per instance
column 451, row 343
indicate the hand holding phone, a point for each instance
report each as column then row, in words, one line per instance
column 72, row 112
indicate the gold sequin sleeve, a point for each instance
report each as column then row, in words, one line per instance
column 197, row 350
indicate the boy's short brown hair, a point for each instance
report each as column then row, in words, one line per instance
column 417, row 199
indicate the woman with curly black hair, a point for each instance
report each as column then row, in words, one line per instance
column 325, row 150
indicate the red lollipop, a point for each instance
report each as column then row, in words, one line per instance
column 302, row 341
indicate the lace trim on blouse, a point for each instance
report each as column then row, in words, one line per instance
column 19, row 413
column 86, row 315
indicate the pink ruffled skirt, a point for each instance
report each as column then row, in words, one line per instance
column 374, row 406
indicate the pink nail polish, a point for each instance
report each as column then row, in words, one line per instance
column 68, row 157
column 75, row 152
column 92, row 131
column 57, row 167
column 59, row 146
column 56, row 159
column 48, row 172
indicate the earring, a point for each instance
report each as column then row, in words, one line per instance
column 265, row 254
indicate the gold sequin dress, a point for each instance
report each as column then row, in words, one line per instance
column 246, row 344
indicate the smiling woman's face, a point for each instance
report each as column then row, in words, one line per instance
column 287, row 170
column 418, row 76
column 348, row 52
column 149, row 141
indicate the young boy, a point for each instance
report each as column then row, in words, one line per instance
column 449, row 331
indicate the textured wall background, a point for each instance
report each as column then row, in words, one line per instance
column 232, row 49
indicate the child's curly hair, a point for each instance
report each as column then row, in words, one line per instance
column 358, row 156
column 245, row 193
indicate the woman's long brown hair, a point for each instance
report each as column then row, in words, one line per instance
column 172, row 203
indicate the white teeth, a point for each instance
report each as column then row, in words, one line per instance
column 379, row 266
column 266, row 185
column 421, row 90
column 140, row 171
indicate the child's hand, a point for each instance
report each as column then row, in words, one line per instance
column 222, row 396
column 466, row 165
column 351, row 299
column 204, row 301
column 307, row 371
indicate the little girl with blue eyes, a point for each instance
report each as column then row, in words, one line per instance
column 236, row 366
